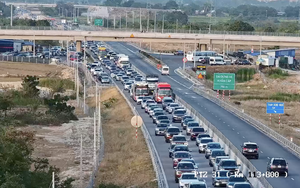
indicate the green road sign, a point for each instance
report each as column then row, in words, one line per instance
column 99, row 22
column 224, row 81
column 202, row 72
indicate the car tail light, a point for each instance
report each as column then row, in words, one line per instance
column 244, row 149
column 256, row 149
column 286, row 166
column 273, row 166
column 175, row 160
column 178, row 172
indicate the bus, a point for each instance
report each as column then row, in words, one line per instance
column 196, row 55
column 139, row 89
column 162, row 89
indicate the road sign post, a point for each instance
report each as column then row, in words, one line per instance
column 224, row 81
column 275, row 108
column 136, row 121
column 98, row 22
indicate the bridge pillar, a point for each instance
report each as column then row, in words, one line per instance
column 78, row 46
column 203, row 47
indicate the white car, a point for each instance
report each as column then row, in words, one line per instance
column 179, row 139
column 151, row 112
column 187, row 178
column 165, row 70
column 145, row 103
column 218, row 159
column 170, row 107
column 191, row 125
column 203, row 143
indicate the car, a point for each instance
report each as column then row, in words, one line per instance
column 128, row 72
column 199, row 184
column 119, row 76
column 104, row 80
column 160, row 129
column 214, row 154
column 179, row 139
column 166, row 121
column 218, row 159
column 166, row 101
column 153, row 109
column 242, row 185
column 124, row 78
column 185, row 122
column 148, row 107
column 170, row 132
column 220, row 178
column 139, row 99
column 190, row 160
column 174, row 148
column 179, row 52
column 190, row 125
column 196, row 131
column 203, row 143
column 155, row 115
column 235, row 179
column 204, row 135
column 230, row 165
column 182, row 167
column 145, row 101
column 278, row 165
column 127, row 85
column 138, row 79
column 170, row 107
column 177, row 115
column 250, row 149
column 187, row 178
column 185, row 117
column 159, row 118
column 211, row 146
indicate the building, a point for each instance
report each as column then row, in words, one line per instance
column 7, row 45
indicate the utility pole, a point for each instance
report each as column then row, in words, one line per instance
column 95, row 141
column 163, row 24
column 11, row 15
column 53, row 180
column 148, row 21
column 141, row 28
column 126, row 20
column 77, row 95
column 176, row 25
column 84, row 96
column 155, row 22
column 120, row 22
column 114, row 21
column 81, row 171
column 99, row 122
column 133, row 19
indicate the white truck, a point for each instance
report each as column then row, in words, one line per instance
column 165, row 70
column 152, row 79
column 122, row 60
column 267, row 61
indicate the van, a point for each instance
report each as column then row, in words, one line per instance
column 165, row 70
column 216, row 61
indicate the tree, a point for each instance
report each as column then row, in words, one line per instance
column 157, row 6
column 172, row 17
column 5, row 104
column 171, row 5
column 269, row 29
column 114, row 3
column 30, row 84
column 239, row 25
column 289, row 27
column 128, row 3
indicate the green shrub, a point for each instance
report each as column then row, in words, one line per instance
column 57, row 84
column 285, row 97
column 209, row 76
column 245, row 74
column 277, row 73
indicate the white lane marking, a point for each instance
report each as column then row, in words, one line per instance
column 238, row 133
column 228, row 125
column 219, row 119
column 191, row 85
column 177, row 81
column 243, row 137
column 292, row 179
column 232, row 128
column 223, row 121
column 216, row 116
column 261, row 152
column 179, row 89
column 194, row 97
column 268, row 157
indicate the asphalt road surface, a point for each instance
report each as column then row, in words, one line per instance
column 235, row 129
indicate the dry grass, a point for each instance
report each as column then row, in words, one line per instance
column 126, row 162
column 11, row 71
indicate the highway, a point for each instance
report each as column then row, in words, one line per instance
column 235, row 129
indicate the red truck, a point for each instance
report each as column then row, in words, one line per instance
column 162, row 89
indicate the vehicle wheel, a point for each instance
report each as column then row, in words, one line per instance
column 153, row 121
column 170, row 156
column 176, row 180
column 210, row 164
column 184, row 128
column 166, row 141
column 256, row 157
column 199, row 151
column 155, row 134
column 206, row 156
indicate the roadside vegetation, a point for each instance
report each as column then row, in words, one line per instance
column 126, row 161
column 276, row 73
column 28, row 106
column 57, row 84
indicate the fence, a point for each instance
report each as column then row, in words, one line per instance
column 24, row 59
column 252, row 121
column 183, row 31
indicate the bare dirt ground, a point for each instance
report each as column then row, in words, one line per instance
column 126, row 161
column 252, row 97
column 11, row 73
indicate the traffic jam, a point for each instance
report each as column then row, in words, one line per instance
column 172, row 122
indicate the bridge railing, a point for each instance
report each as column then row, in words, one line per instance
column 159, row 30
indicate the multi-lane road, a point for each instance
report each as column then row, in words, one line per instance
column 235, row 129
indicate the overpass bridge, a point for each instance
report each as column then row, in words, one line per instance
column 123, row 35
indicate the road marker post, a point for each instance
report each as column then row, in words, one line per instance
column 136, row 121
column 217, row 94
column 223, row 95
column 279, row 120
column 229, row 95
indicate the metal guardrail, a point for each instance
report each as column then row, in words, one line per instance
column 257, row 124
column 24, row 59
column 159, row 30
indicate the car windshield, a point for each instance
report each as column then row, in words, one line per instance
column 217, row 153
column 214, row 146
column 179, row 138
column 218, row 160
column 165, row 69
column 250, row 146
column 165, row 121
column 164, row 92
column 181, row 148
column 185, row 165
column 188, row 120
column 206, row 140
column 242, row 186
column 228, row 163
column 104, row 77
column 125, row 77
column 173, row 105
column 168, row 101
column 198, row 186
column 179, row 112
column 189, row 177
column 162, row 125
column 162, row 117
column 173, row 130
column 193, row 124
column 159, row 113
column 138, row 79
column 150, row 101
column 198, row 129
column 237, row 179
column 279, row 162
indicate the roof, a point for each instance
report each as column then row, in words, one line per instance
column 161, row 84
column 284, row 49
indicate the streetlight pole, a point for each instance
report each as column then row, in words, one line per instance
column 155, row 22
column 141, row 28
column 148, row 22
column 126, row 20
column 163, row 24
